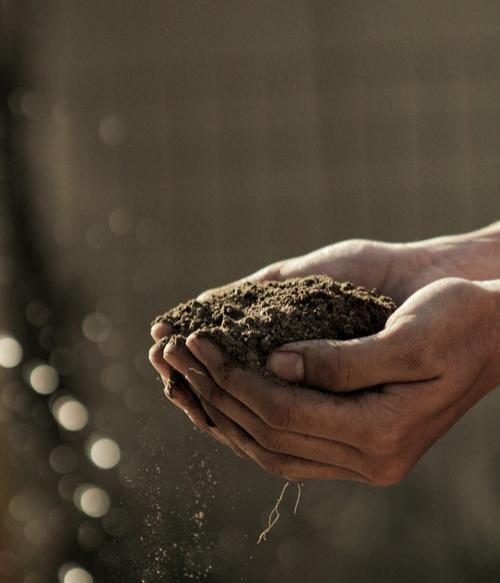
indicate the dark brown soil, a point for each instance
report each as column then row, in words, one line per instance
column 250, row 320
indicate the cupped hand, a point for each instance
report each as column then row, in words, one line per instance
column 369, row 263
column 394, row 269
column 368, row 408
column 176, row 389
column 391, row 268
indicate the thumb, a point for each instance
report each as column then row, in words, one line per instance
column 336, row 365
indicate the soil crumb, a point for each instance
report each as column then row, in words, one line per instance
column 250, row 320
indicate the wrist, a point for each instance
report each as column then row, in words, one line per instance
column 473, row 256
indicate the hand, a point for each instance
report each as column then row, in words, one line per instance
column 372, row 264
column 438, row 355
column 394, row 269
column 177, row 390
column 369, row 263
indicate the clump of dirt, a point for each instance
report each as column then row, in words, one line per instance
column 250, row 320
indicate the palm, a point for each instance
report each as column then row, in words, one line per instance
column 389, row 268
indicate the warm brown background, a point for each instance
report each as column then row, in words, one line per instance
column 232, row 134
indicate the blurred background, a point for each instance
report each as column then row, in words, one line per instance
column 149, row 150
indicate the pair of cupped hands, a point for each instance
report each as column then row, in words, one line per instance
column 383, row 400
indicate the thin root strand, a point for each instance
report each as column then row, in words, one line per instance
column 274, row 515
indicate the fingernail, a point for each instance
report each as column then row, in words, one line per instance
column 287, row 365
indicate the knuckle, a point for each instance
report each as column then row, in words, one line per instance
column 390, row 473
column 389, row 439
column 273, row 463
column 275, row 271
column 410, row 355
column 224, row 373
column 154, row 354
column 423, row 354
column 278, row 417
column 211, row 396
column 268, row 462
column 235, row 449
column 337, row 368
column 269, row 440
column 170, row 350
column 425, row 357
column 279, row 469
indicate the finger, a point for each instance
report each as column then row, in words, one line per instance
column 268, row 273
column 347, row 419
column 178, row 355
column 308, row 264
column 224, row 438
column 304, row 446
column 177, row 392
column 157, row 360
column 333, row 365
column 180, row 395
column 290, row 467
column 161, row 329
column 207, row 294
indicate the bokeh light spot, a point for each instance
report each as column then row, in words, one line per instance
column 121, row 222
column 72, row 573
column 11, row 352
column 70, row 413
column 104, row 452
column 22, row 507
column 31, row 105
column 96, row 327
column 36, row 532
column 91, row 500
column 44, row 379
column 112, row 130
column 37, row 313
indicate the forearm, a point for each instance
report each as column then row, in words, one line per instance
column 474, row 255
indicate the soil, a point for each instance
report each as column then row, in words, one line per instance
column 250, row 320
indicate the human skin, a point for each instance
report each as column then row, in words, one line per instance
column 438, row 354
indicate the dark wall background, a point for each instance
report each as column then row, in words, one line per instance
column 154, row 149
